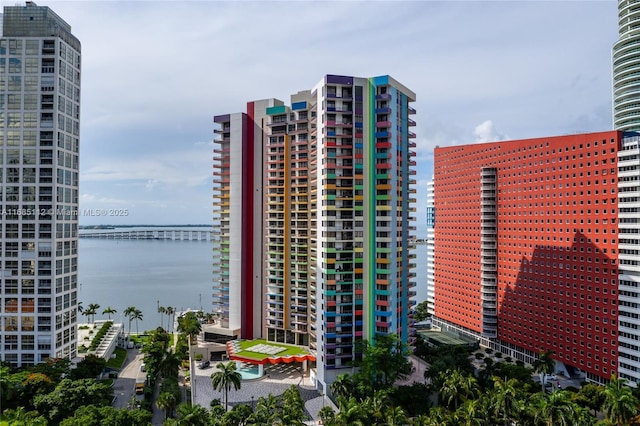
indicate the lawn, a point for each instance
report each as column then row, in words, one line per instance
column 245, row 344
column 118, row 361
column 141, row 339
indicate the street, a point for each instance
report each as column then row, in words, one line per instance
column 123, row 386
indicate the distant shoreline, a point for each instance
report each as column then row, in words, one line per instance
column 142, row 226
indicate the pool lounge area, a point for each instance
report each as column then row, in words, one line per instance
column 250, row 372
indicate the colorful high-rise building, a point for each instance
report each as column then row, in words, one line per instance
column 39, row 140
column 537, row 249
column 626, row 63
column 316, row 216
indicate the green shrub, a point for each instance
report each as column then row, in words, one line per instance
column 198, row 357
column 488, row 350
column 100, row 334
column 479, row 355
column 498, row 354
column 508, row 359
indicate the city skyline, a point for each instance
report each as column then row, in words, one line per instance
column 155, row 73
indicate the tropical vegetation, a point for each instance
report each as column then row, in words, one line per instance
column 452, row 393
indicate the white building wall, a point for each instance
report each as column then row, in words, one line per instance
column 235, row 221
column 629, row 261
column 431, row 260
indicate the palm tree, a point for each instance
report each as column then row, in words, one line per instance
column 162, row 310
column 342, row 386
column 192, row 415
column 109, row 310
column 505, row 399
column 170, row 311
column 189, row 324
column 170, row 364
column 554, row 409
column 20, row 416
column 127, row 313
column 544, row 365
column 327, row 416
column 457, row 387
column 292, row 412
column 87, row 313
column 378, row 406
column 471, row 413
column 396, row 416
column 265, row 411
column 80, row 307
column 93, row 307
column 438, row 416
column 137, row 316
column 225, row 378
column 351, row 412
column 619, row 405
column 167, row 402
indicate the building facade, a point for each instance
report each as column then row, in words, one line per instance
column 626, row 63
column 335, row 215
column 536, row 249
column 430, row 242
column 39, row 143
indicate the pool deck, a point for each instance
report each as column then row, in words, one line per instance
column 278, row 378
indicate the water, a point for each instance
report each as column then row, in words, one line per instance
column 145, row 273
column 421, row 272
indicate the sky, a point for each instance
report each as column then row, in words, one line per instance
column 154, row 73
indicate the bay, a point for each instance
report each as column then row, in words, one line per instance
column 145, row 273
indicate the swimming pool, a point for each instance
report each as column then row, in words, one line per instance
column 249, row 373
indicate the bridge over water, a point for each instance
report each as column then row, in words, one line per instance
column 184, row 234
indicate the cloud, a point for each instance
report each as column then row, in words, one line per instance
column 185, row 168
column 97, row 199
column 486, row 132
column 151, row 87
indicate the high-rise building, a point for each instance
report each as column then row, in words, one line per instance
column 536, row 249
column 39, row 139
column 315, row 217
column 430, row 242
column 626, row 62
